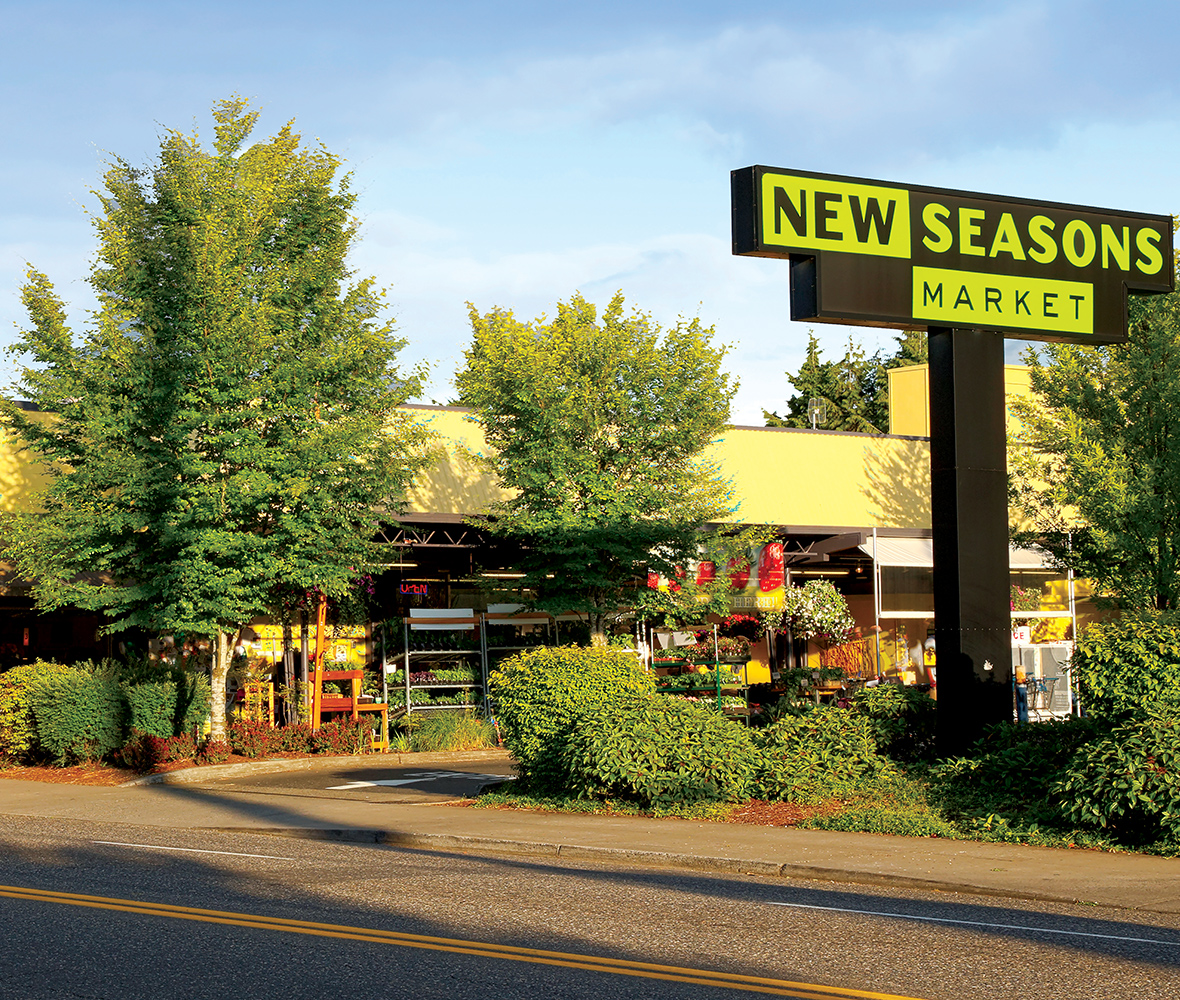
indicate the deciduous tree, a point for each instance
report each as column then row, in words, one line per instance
column 226, row 428
column 1096, row 473
column 597, row 425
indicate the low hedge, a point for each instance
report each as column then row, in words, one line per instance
column 88, row 711
column 1128, row 782
column 1129, row 665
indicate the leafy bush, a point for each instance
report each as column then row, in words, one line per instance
column 253, row 738
column 156, row 708
column 342, row 736
column 823, row 752
column 145, row 751
column 1128, row 782
column 1130, row 664
column 1011, row 771
column 214, row 752
column 545, row 695
column 293, row 739
column 658, row 751
column 80, row 716
column 18, row 727
column 902, row 719
column 438, row 731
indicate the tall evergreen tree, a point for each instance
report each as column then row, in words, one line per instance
column 227, row 428
column 854, row 390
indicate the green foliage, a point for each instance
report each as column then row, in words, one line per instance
column 657, row 751
column 902, row 719
column 824, row 752
column 1129, row 664
column 80, row 716
column 855, row 389
column 1011, row 772
column 597, row 425
column 18, row 726
column 700, row 810
column 440, row 731
column 227, row 429
column 156, row 708
column 1099, row 457
column 1128, row 782
column 544, row 695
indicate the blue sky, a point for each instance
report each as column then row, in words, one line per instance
column 511, row 153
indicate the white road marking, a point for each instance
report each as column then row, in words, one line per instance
column 980, row 923
column 189, row 850
column 417, row 778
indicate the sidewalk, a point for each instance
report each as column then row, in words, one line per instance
column 195, row 800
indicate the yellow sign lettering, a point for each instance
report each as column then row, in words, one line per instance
column 1119, row 249
column 1007, row 239
column 1039, row 228
column 969, row 229
column 1152, row 260
column 959, row 298
column 809, row 213
column 934, row 218
column 1069, row 243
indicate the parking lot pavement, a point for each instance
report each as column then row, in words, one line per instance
column 371, row 780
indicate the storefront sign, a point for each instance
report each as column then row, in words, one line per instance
column 866, row 252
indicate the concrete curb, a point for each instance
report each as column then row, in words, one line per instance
column 658, row 859
column 214, row 772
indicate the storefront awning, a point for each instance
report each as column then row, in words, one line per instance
column 918, row 552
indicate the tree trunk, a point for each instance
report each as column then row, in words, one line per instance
column 597, row 624
column 219, row 671
column 289, row 708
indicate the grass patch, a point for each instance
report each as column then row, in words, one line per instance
column 602, row 807
column 438, row 732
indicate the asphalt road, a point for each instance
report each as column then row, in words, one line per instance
column 389, row 907
column 370, row 779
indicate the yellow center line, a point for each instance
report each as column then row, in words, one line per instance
column 590, row 963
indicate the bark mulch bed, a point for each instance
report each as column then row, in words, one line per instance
column 758, row 813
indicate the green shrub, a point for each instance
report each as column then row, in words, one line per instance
column 294, row 739
column 546, row 694
column 1011, row 770
column 902, row 720
column 155, row 708
column 440, row 731
column 659, row 751
column 18, row 727
column 1130, row 664
column 824, row 752
column 1129, row 782
column 80, row 716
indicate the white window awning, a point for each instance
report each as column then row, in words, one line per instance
column 919, row 552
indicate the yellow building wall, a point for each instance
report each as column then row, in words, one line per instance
column 21, row 475
column 909, row 397
column 779, row 476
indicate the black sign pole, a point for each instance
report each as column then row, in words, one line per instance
column 969, row 507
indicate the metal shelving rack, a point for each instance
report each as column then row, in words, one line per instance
column 443, row 620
